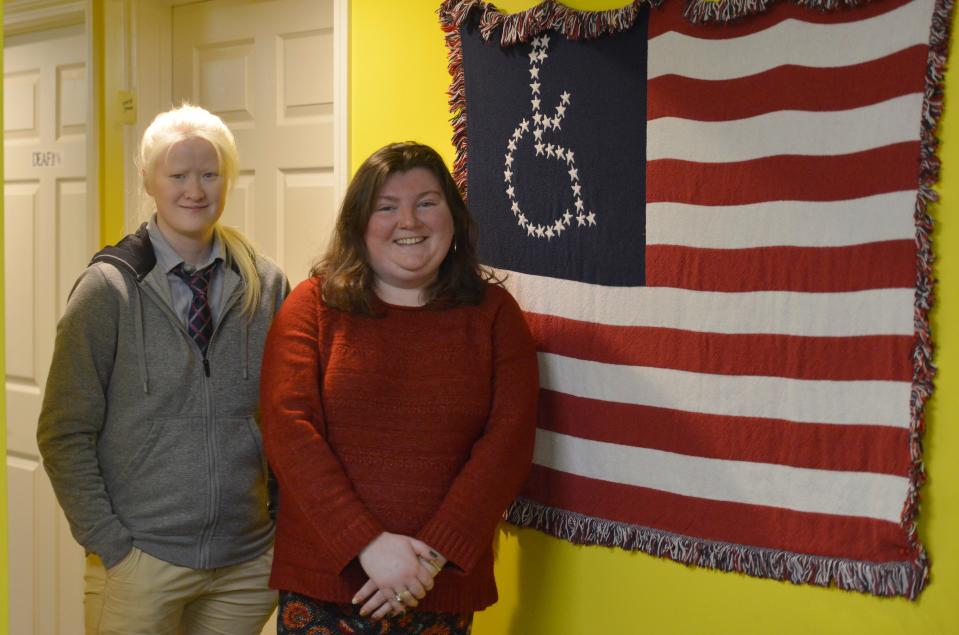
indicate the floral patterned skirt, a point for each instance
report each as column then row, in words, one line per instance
column 302, row 615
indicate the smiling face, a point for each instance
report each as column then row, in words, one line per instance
column 408, row 235
column 188, row 190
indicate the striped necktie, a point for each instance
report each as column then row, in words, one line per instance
column 199, row 323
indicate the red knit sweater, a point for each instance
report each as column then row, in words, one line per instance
column 418, row 423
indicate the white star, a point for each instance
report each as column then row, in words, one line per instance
column 535, row 87
column 538, row 118
column 545, row 39
column 566, row 217
column 542, row 55
column 574, row 174
column 579, row 204
column 556, row 123
column 591, row 218
column 534, row 72
column 539, row 148
column 559, row 153
column 524, row 124
column 507, row 175
column 558, row 227
column 549, row 233
column 539, row 231
column 569, row 156
column 549, row 149
column 576, row 189
column 509, row 191
column 509, row 159
column 511, row 145
column 521, row 220
column 560, row 111
column 538, row 133
column 565, row 97
column 535, row 104
column 533, row 55
column 530, row 230
column 517, row 133
column 515, row 208
column 580, row 220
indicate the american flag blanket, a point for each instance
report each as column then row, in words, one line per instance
column 715, row 217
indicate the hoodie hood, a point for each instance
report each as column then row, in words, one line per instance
column 134, row 254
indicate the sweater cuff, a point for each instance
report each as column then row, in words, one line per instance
column 461, row 550
column 112, row 545
column 348, row 543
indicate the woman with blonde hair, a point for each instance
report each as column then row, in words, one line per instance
column 148, row 428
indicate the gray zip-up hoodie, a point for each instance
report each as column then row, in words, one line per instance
column 147, row 442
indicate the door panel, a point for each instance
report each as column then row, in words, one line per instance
column 49, row 235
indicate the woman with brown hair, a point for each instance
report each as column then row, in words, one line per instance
column 399, row 404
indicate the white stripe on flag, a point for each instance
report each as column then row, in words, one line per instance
column 776, row 223
column 791, row 42
column 872, row 312
column 875, row 402
column 861, row 494
column 785, row 132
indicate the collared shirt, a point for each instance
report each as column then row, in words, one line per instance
column 180, row 294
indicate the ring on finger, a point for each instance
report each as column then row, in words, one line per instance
column 405, row 595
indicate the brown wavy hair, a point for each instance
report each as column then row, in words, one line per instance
column 345, row 268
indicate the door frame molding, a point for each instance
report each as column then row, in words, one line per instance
column 21, row 17
column 150, row 37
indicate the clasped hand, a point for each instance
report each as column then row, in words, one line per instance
column 401, row 571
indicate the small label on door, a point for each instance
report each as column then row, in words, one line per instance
column 46, row 158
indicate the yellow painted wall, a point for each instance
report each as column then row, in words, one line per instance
column 398, row 91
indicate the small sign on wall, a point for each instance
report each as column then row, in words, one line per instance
column 46, row 158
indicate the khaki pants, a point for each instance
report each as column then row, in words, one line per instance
column 143, row 595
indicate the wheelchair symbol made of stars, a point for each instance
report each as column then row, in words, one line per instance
column 541, row 124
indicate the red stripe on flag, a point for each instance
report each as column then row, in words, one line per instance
column 788, row 88
column 871, row 357
column 772, row 528
column 851, row 448
column 669, row 17
column 880, row 265
column 892, row 168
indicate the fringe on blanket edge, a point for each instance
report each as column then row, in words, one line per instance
column 878, row 578
column 580, row 24
column 924, row 368
column 725, row 11
column 524, row 25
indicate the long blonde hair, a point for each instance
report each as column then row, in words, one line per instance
column 190, row 122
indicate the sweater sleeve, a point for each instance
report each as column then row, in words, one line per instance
column 463, row 526
column 73, row 412
column 310, row 475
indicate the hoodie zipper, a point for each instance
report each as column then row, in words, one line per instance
column 213, row 455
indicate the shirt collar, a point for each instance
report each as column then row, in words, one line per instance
column 167, row 257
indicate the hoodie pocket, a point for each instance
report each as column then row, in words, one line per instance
column 165, row 487
column 242, row 475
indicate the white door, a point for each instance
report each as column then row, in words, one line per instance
column 266, row 68
column 49, row 235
